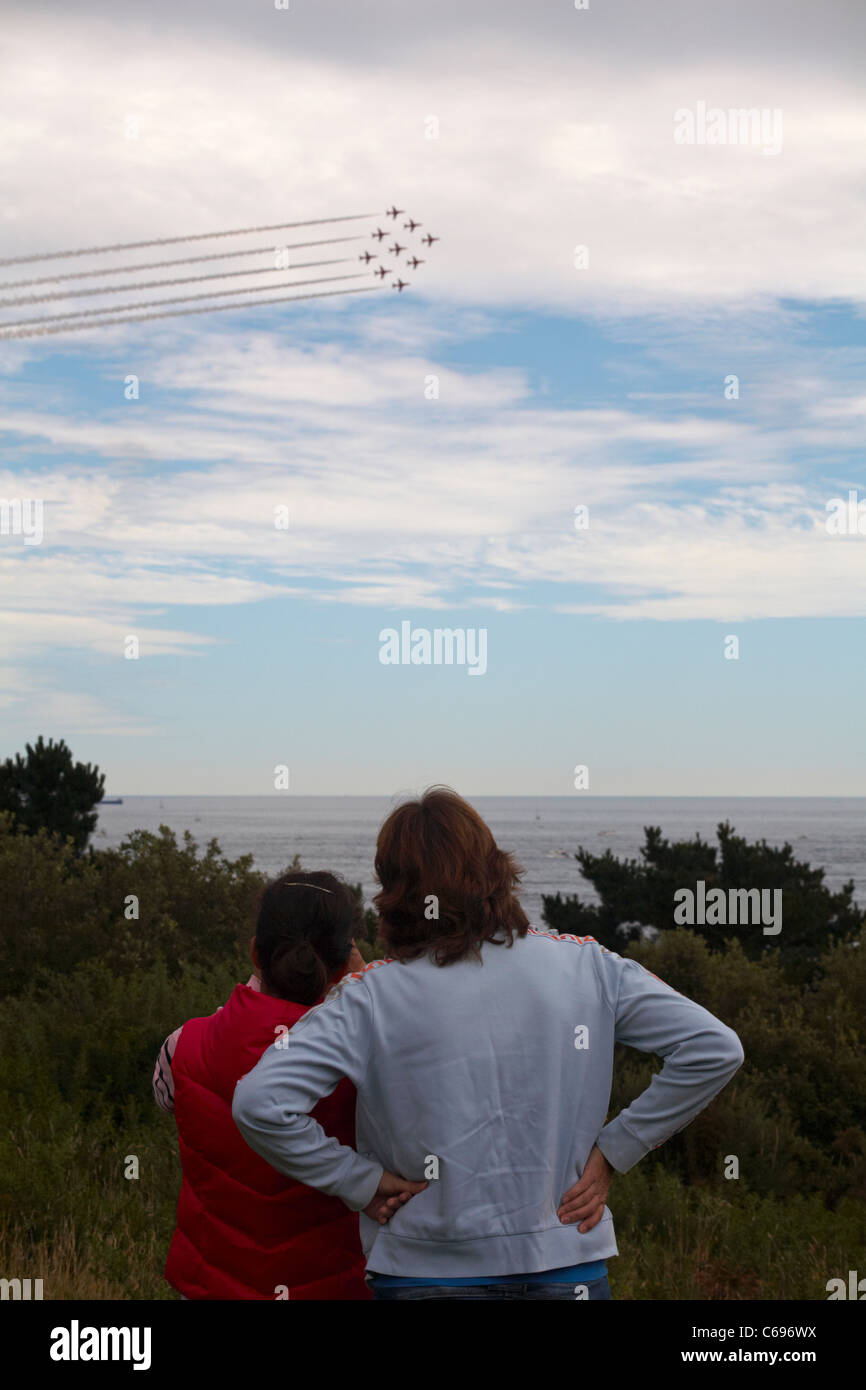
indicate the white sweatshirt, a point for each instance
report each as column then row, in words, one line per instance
column 500, row 1071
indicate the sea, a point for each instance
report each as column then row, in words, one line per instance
column 339, row 832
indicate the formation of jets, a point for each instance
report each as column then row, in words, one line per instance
column 414, row 261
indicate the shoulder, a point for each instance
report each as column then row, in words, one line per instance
column 564, row 938
column 577, row 959
column 351, row 996
column 358, row 978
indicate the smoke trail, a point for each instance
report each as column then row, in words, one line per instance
column 174, row 313
column 174, row 240
column 156, row 284
column 160, row 265
column 174, row 299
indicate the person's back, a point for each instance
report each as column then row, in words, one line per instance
column 493, row 1078
column 245, row 1231
column 504, row 1111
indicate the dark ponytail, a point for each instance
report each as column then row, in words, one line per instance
column 296, row 971
column 304, row 933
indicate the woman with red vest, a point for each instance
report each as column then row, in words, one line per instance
column 245, row 1231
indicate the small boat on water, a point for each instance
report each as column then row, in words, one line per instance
column 111, row 801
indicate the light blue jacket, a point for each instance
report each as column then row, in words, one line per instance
column 500, row 1070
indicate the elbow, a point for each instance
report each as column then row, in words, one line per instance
column 242, row 1107
column 732, row 1051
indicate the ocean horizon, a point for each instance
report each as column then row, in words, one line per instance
column 543, row 832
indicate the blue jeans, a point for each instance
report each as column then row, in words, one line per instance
column 596, row 1289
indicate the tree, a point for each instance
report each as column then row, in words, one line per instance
column 636, row 893
column 367, row 940
column 46, row 790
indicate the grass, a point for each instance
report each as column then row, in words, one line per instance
column 89, row 1232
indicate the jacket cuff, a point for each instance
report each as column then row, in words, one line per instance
column 361, row 1184
column 621, row 1148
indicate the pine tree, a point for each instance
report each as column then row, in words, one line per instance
column 636, row 894
column 47, row 790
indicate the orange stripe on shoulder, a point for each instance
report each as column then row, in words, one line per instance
column 357, row 974
column 564, row 936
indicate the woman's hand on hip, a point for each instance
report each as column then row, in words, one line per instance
column 392, row 1193
column 585, row 1201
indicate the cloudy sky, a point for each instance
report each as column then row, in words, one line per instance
column 669, row 334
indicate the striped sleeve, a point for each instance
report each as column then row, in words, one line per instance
column 163, row 1081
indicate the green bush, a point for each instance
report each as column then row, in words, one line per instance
column 795, row 1113
column 61, row 909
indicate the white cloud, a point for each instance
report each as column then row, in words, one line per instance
column 28, row 630
column 111, row 586
column 576, row 147
column 31, row 700
column 562, row 135
column 404, row 501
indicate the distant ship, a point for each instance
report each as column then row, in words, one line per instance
column 111, row 801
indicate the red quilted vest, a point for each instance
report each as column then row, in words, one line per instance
column 243, row 1229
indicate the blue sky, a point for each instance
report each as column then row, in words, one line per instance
column 556, row 387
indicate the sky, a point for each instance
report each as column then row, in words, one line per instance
column 605, row 426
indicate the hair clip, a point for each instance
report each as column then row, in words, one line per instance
column 317, row 886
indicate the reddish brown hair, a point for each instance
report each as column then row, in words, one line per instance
column 440, row 847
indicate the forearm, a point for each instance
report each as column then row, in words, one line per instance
column 295, row 1144
column 694, row 1072
column 163, row 1079
column 272, row 1104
